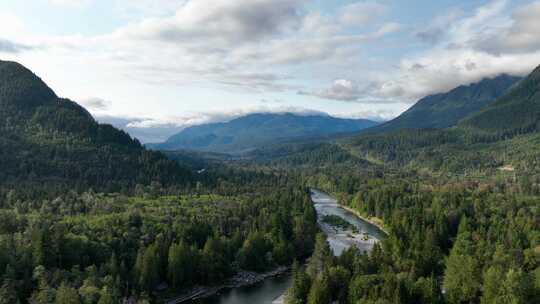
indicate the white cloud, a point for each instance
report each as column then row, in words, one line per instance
column 349, row 91
column 521, row 37
column 95, row 104
column 72, row 3
column 468, row 49
column 315, row 23
column 341, row 89
column 12, row 26
column 375, row 115
column 281, row 46
column 361, row 13
column 145, row 135
column 135, row 8
column 8, row 46
column 230, row 43
column 388, row 28
column 223, row 23
column 199, row 118
column 437, row 29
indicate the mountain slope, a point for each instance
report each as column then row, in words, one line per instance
column 259, row 129
column 505, row 132
column 516, row 113
column 51, row 142
column 447, row 109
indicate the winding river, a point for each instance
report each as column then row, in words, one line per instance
column 271, row 290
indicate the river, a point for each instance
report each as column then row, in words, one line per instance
column 271, row 290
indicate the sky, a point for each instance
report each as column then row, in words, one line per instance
column 155, row 67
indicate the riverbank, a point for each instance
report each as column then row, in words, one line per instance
column 242, row 279
column 369, row 220
column 358, row 214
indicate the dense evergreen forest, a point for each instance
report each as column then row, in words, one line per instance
column 99, row 248
column 450, row 242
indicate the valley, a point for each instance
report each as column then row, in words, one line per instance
column 89, row 214
column 272, row 290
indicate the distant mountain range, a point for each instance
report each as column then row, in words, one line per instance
column 47, row 140
column 256, row 130
column 447, row 109
column 480, row 127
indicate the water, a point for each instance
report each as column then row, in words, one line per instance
column 271, row 290
column 339, row 239
column 266, row 292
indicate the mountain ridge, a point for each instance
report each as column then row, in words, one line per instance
column 46, row 140
column 504, row 133
column 445, row 110
column 517, row 112
column 257, row 129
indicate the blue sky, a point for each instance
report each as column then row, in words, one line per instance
column 157, row 66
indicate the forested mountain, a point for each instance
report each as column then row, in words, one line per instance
column 255, row 130
column 447, row 109
column 52, row 142
column 501, row 133
column 517, row 112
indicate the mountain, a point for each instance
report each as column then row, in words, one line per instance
column 503, row 134
column 255, row 130
column 447, row 109
column 517, row 112
column 48, row 142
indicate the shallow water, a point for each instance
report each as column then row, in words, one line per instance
column 264, row 293
column 340, row 239
column 272, row 289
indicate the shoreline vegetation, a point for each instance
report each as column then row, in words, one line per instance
column 338, row 222
column 377, row 222
column 247, row 278
column 241, row 279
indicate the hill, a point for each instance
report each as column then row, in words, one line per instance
column 251, row 131
column 447, row 109
column 50, row 142
column 517, row 112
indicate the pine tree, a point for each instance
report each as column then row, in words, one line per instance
column 461, row 278
column 66, row 295
column 106, row 297
column 147, row 268
column 181, row 264
column 298, row 292
column 319, row 292
column 8, row 294
column 518, row 287
column 44, row 295
column 492, row 285
column 321, row 258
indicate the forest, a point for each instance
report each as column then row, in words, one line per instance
column 101, row 248
column 449, row 242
